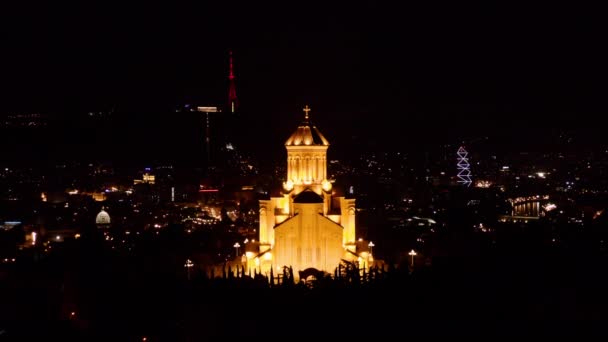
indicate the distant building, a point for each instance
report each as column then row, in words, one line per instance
column 27, row 120
column 147, row 178
column 8, row 225
column 306, row 226
column 103, row 219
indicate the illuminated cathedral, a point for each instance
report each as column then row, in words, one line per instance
column 306, row 225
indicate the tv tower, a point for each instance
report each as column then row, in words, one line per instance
column 463, row 167
column 232, row 99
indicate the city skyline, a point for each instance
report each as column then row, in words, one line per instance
column 164, row 175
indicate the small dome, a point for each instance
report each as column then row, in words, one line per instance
column 102, row 218
column 306, row 134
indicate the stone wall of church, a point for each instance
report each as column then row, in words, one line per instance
column 308, row 240
column 348, row 210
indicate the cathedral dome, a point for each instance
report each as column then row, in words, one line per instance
column 102, row 218
column 306, row 134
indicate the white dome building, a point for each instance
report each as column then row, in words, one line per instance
column 103, row 218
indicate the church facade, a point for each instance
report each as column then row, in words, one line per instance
column 306, row 225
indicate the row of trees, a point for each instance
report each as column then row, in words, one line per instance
column 346, row 274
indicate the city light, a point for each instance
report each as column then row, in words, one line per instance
column 549, row 206
column 483, row 184
column 207, row 109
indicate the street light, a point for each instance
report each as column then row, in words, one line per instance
column 237, row 246
column 412, row 253
column 371, row 247
column 188, row 265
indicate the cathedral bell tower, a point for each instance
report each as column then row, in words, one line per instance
column 307, row 159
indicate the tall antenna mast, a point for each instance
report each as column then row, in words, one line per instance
column 232, row 99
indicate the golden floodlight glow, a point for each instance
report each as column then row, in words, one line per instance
column 326, row 185
column 288, row 186
column 286, row 207
column 249, row 255
column 268, row 256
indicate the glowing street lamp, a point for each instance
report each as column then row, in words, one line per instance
column 412, row 253
column 237, row 246
column 371, row 247
column 188, row 265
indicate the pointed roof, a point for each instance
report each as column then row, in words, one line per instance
column 306, row 134
column 308, row 196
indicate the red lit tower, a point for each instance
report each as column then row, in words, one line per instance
column 232, row 99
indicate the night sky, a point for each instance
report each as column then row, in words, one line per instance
column 403, row 75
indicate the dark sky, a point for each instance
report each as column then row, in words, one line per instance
column 424, row 70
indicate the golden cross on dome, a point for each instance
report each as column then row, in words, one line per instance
column 306, row 111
